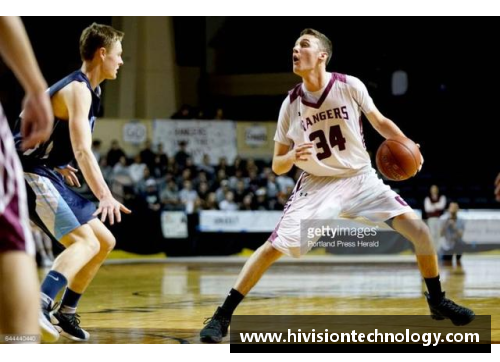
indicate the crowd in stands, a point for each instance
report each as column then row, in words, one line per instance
column 174, row 182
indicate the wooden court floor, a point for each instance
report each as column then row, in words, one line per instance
column 167, row 303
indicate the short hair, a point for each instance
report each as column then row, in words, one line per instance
column 325, row 43
column 97, row 36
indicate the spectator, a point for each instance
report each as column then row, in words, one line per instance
column 452, row 230
column 240, row 192
column 96, row 149
column 148, row 156
column 207, row 167
column 222, row 191
column 188, row 197
column 261, row 203
column 150, row 195
column 434, row 206
column 497, row 188
column 183, row 113
column 219, row 114
column 170, row 196
column 160, row 167
column 136, row 170
column 284, row 181
column 247, row 204
column 114, row 153
column 234, row 180
column 228, row 203
column 203, row 190
column 211, row 202
column 181, row 156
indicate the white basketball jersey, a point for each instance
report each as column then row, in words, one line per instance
column 331, row 119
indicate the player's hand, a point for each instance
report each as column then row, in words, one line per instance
column 69, row 175
column 301, row 152
column 37, row 119
column 497, row 187
column 421, row 163
column 111, row 209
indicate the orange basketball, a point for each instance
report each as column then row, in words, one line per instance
column 398, row 159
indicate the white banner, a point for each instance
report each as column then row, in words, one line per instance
column 481, row 226
column 255, row 136
column 215, row 138
column 239, row 221
column 174, row 224
column 134, row 132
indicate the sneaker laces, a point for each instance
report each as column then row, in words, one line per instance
column 73, row 319
column 211, row 322
column 452, row 305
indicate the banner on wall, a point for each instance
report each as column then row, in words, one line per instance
column 239, row 221
column 256, row 136
column 174, row 224
column 134, row 132
column 215, row 138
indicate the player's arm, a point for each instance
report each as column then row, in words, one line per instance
column 78, row 101
column 15, row 48
column 383, row 125
column 285, row 157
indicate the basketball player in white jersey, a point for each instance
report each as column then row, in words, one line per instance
column 320, row 131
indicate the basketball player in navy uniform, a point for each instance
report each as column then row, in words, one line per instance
column 19, row 288
column 320, row 131
column 59, row 211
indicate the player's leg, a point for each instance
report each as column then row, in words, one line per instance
column 86, row 274
column 66, row 317
column 252, row 272
column 377, row 202
column 19, row 289
column 415, row 230
column 19, row 308
column 81, row 246
column 411, row 227
column 284, row 240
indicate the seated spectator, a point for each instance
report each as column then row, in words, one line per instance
column 115, row 153
column 222, row 191
column 210, row 203
column 136, row 170
column 219, row 114
column 247, row 204
column 203, row 190
column 183, row 113
column 181, row 156
column 151, row 196
column 272, row 186
column 284, row 181
column 147, row 155
column 238, row 176
column 207, row 167
column 188, row 197
column 169, row 196
column 96, row 149
column 228, row 203
column 261, row 202
column 240, row 192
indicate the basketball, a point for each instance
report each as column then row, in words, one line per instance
column 398, row 159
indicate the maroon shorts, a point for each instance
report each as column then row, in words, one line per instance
column 15, row 233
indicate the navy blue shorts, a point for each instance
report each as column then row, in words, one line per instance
column 53, row 206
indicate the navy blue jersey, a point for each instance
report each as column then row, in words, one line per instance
column 57, row 150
